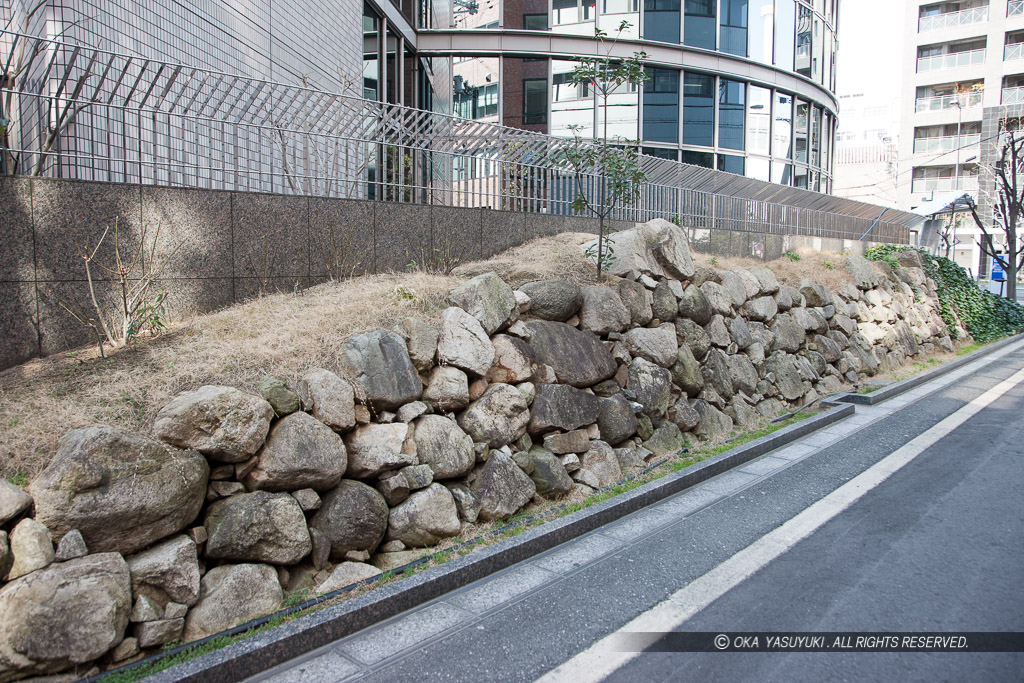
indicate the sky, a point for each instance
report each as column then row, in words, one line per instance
column 870, row 48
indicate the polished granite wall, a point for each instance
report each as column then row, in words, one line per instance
column 231, row 246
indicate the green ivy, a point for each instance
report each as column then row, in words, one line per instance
column 985, row 316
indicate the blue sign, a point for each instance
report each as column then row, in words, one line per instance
column 997, row 270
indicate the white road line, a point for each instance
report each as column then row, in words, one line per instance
column 603, row 657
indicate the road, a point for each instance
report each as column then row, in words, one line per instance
column 906, row 517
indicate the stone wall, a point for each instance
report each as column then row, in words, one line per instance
column 548, row 391
column 234, row 244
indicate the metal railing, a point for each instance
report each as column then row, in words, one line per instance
column 1013, row 95
column 1013, row 51
column 947, row 143
column 968, row 183
column 1014, row 8
column 952, row 60
column 940, row 102
column 951, row 19
column 79, row 112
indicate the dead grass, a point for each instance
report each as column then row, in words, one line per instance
column 280, row 334
column 812, row 264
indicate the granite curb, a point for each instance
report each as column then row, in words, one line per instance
column 897, row 388
column 253, row 655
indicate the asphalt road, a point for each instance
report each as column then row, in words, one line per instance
column 936, row 546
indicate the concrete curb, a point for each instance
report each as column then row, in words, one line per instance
column 897, row 388
column 253, row 655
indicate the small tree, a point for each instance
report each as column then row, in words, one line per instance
column 1008, row 206
column 615, row 161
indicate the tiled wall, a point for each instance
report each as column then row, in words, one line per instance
column 230, row 246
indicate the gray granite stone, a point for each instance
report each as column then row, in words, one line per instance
column 271, row 236
column 17, row 258
column 195, row 222
column 340, row 237
column 457, row 231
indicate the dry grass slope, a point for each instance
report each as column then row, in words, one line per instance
column 281, row 334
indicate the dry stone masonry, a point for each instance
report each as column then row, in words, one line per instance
column 130, row 541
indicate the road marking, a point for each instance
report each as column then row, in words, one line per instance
column 602, row 658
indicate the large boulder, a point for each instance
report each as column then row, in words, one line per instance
column 464, row 343
column 664, row 305
column 637, row 299
column 425, row 518
column 352, row 516
column 718, row 298
column 420, row 341
column 65, row 615
column 733, row 284
column 564, row 407
column 742, row 374
column 257, row 527
column 789, row 335
column 167, row 572
column 347, row 574
column 716, row 373
column 300, row 453
column 122, row 491
column 31, row 548
column 828, row 348
column 554, row 299
column 602, row 311
column 13, row 501
column 718, row 332
column 651, row 384
column 657, row 345
column 810, row 319
column 502, row 487
column 602, row 462
column 666, row 440
column 657, row 247
column 616, row 420
column 447, row 389
column 548, row 473
column 686, row 372
column 220, row 422
column 442, row 445
column 498, row 417
column 863, row 273
column 694, row 337
column 513, row 360
column 578, row 358
column 671, row 249
column 762, row 309
column 768, row 283
column 488, row 299
column 375, row 448
column 784, row 374
column 380, row 363
column 331, row 399
column 695, row 305
column 230, row 595
column 815, row 293
column 740, row 333
column 714, row 425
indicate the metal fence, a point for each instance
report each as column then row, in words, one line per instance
column 73, row 111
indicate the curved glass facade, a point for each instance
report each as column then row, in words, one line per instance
column 729, row 96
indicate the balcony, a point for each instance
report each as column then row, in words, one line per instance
column 964, row 100
column 922, row 185
column 946, row 144
column 1013, row 95
column 1013, row 51
column 950, row 61
column 1015, row 8
column 951, row 19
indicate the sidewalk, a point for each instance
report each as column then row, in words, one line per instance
column 519, row 623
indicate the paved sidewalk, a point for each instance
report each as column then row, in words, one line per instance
column 519, row 623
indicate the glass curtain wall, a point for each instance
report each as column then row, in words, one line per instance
column 661, row 106
column 734, row 27
column 661, row 20
column 699, row 23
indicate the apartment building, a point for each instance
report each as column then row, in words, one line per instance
column 963, row 72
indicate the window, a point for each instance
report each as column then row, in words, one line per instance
column 803, row 41
column 567, row 91
column 535, row 22
column 734, row 27
column 730, row 164
column 660, row 152
column 698, row 109
column 815, row 136
column 535, row 100
column 800, row 132
column 785, row 27
column 759, row 116
column 699, row 23
column 782, row 128
column 762, row 23
column 661, row 105
column 705, row 159
column 730, row 113
column 661, row 20
column 564, row 12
